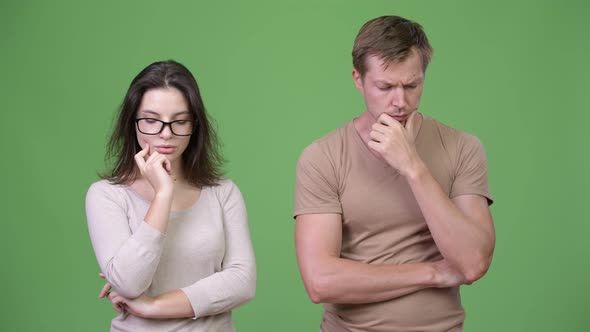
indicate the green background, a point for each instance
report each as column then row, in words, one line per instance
column 276, row 75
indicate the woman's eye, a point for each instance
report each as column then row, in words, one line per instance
column 182, row 122
column 150, row 121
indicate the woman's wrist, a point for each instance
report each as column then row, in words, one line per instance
column 152, row 308
column 149, row 308
column 156, row 308
column 164, row 194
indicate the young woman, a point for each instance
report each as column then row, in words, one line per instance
column 170, row 235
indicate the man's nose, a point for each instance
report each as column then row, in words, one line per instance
column 398, row 99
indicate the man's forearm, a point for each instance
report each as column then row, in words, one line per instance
column 328, row 278
column 338, row 280
column 467, row 242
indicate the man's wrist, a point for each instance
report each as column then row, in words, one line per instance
column 416, row 170
column 432, row 275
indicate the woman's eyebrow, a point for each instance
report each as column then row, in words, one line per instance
column 181, row 113
column 150, row 112
column 174, row 114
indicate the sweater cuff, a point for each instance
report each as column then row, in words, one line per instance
column 198, row 299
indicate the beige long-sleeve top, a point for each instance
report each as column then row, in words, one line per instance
column 206, row 252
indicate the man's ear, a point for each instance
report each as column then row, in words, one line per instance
column 358, row 79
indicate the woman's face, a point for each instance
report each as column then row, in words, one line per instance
column 167, row 105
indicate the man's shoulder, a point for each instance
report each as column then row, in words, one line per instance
column 328, row 144
column 451, row 135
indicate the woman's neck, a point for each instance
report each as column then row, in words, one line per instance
column 177, row 172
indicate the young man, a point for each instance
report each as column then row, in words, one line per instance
column 392, row 208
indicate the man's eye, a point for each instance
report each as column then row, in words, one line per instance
column 384, row 88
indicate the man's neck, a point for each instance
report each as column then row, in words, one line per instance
column 362, row 125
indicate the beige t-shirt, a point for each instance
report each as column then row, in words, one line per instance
column 206, row 252
column 381, row 220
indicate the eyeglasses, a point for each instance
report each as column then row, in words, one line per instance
column 151, row 126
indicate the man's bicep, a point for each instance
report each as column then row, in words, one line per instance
column 320, row 234
column 318, row 237
column 477, row 210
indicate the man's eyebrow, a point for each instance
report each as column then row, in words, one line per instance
column 413, row 81
column 416, row 80
column 383, row 82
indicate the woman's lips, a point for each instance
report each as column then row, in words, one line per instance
column 165, row 149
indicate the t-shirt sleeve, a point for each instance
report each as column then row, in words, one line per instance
column 316, row 185
column 471, row 175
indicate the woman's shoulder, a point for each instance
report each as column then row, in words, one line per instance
column 225, row 189
column 105, row 185
column 105, row 188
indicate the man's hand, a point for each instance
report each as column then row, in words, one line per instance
column 447, row 275
column 395, row 143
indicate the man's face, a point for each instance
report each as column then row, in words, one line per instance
column 395, row 90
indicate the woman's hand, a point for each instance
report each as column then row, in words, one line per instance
column 142, row 306
column 156, row 168
column 105, row 289
column 105, row 292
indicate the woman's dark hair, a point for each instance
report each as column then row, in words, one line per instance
column 201, row 161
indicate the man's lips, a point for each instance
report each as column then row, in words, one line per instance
column 400, row 117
